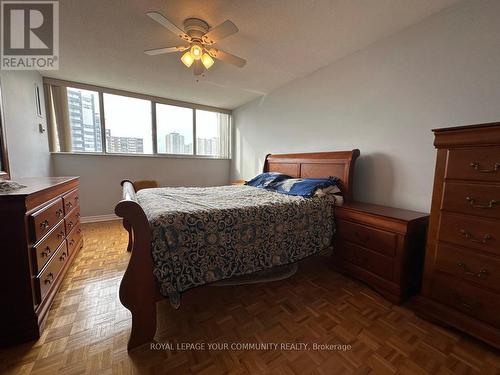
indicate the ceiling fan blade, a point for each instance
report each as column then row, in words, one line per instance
column 227, row 57
column 199, row 69
column 159, row 51
column 162, row 20
column 222, row 31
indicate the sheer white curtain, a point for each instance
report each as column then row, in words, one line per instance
column 224, row 134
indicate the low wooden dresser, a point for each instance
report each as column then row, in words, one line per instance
column 461, row 285
column 381, row 246
column 40, row 235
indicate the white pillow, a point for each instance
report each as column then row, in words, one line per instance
column 325, row 191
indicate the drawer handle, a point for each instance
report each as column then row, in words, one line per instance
column 481, row 274
column 475, row 165
column 469, row 236
column 44, row 224
column 59, row 212
column 47, row 280
column 62, row 257
column 47, row 252
column 362, row 238
column 72, row 242
column 77, row 214
column 77, row 199
column 70, row 224
column 60, row 234
column 472, row 202
column 69, row 204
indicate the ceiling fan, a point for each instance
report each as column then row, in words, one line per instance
column 198, row 39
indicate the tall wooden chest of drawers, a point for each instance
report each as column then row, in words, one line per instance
column 40, row 234
column 461, row 285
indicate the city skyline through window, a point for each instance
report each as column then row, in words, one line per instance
column 125, row 126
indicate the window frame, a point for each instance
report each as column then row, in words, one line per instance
column 154, row 100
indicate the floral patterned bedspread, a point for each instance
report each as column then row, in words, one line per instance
column 201, row 235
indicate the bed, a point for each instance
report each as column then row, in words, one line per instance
column 160, row 267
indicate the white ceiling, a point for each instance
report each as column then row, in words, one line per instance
column 102, row 42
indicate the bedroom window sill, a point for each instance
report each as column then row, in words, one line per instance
column 161, row 156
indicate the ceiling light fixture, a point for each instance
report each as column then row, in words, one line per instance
column 196, row 51
column 207, row 60
column 199, row 39
column 187, row 59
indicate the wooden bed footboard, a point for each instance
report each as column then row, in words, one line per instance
column 138, row 289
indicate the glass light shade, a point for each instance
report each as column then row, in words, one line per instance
column 207, row 60
column 187, row 59
column 196, row 51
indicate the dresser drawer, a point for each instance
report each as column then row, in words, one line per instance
column 71, row 201
column 44, row 220
column 375, row 239
column 469, row 265
column 472, row 199
column 74, row 238
column 49, row 275
column 474, row 164
column 45, row 248
column 470, row 231
column 72, row 219
column 369, row 260
column 467, row 298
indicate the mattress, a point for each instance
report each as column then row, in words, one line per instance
column 202, row 235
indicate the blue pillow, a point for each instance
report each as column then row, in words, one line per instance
column 264, row 180
column 304, row 187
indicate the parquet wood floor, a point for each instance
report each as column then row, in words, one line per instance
column 87, row 327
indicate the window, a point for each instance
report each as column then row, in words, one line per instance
column 212, row 133
column 128, row 125
column 174, row 129
column 84, row 118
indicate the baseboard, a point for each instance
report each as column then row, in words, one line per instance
column 99, row 218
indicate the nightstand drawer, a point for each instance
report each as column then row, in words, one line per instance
column 374, row 239
column 481, row 164
column 469, row 265
column 469, row 231
column 467, row 298
column 371, row 261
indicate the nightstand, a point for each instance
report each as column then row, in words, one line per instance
column 382, row 246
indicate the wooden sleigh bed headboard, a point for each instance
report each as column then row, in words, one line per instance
column 139, row 289
column 318, row 164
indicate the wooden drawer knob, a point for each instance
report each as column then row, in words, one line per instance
column 44, row 224
column 59, row 212
column 46, row 252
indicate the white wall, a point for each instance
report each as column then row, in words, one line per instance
column 385, row 100
column 100, row 176
column 28, row 148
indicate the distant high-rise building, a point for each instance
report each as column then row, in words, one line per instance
column 207, row 146
column 125, row 145
column 174, row 143
column 84, row 120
